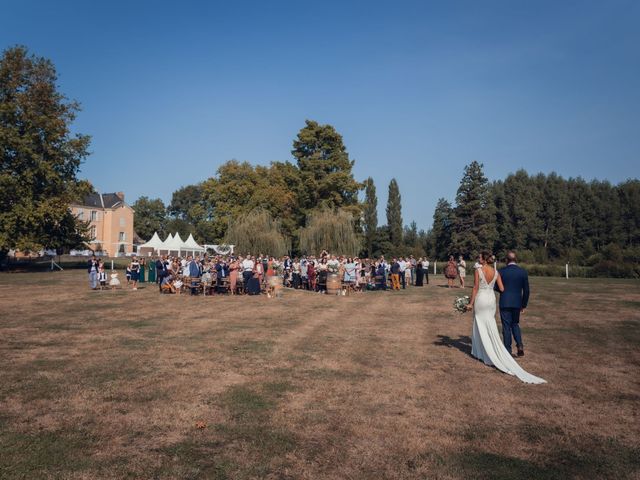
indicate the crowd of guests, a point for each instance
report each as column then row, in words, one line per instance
column 253, row 274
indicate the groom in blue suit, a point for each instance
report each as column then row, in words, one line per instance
column 513, row 301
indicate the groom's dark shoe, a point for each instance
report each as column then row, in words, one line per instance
column 520, row 352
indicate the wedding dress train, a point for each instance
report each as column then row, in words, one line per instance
column 486, row 343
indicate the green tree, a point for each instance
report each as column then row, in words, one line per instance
column 629, row 193
column 39, row 157
column 443, row 220
column 257, row 232
column 325, row 169
column 370, row 214
column 555, row 214
column 474, row 226
column 331, row 230
column 239, row 188
column 181, row 226
column 522, row 201
column 150, row 216
column 187, row 203
column 394, row 213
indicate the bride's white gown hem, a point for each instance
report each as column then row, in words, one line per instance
column 486, row 344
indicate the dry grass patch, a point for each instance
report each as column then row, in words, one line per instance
column 379, row 385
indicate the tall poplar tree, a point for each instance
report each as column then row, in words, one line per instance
column 394, row 213
column 474, row 226
column 370, row 214
column 442, row 227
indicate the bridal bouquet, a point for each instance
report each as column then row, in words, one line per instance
column 460, row 304
column 278, row 267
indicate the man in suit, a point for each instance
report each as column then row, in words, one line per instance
column 513, row 301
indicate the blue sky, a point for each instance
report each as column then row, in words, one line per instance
column 171, row 90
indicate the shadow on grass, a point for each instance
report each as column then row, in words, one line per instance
column 44, row 454
column 462, row 343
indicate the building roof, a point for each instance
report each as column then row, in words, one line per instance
column 102, row 200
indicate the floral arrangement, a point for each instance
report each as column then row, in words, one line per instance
column 333, row 266
column 460, row 304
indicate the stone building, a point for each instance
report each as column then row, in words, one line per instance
column 111, row 222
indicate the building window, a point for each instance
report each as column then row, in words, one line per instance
column 92, row 232
column 122, row 237
column 123, row 222
column 94, row 215
column 80, row 214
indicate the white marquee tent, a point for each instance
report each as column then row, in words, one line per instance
column 172, row 245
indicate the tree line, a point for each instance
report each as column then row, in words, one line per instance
column 303, row 205
column 546, row 218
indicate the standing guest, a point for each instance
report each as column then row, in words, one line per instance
column 304, row 273
column 403, row 269
column 407, row 273
column 259, row 271
column 419, row 274
column 152, row 271
column 462, row 270
column 134, row 268
column 350, row 271
column 395, row 274
column 425, row 269
column 451, row 271
column 322, row 272
column 247, row 269
column 414, row 264
column 311, row 273
column 296, row 278
column 141, row 271
column 234, row 267
column 265, row 266
column 92, row 268
column 161, row 269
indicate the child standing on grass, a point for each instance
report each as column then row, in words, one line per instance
column 114, row 282
column 102, row 277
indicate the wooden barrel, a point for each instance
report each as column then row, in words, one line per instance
column 333, row 284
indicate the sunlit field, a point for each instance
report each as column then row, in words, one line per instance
column 375, row 385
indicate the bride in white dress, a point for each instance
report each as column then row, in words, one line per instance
column 486, row 342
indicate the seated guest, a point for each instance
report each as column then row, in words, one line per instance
column 166, row 284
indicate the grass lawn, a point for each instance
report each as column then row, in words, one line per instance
column 377, row 385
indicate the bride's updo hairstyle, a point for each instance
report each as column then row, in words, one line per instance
column 486, row 256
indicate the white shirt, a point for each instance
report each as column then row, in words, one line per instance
column 403, row 265
column 247, row 265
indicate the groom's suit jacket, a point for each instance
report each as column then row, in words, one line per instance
column 516, row 287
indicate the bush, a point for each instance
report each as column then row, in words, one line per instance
column 608, row 268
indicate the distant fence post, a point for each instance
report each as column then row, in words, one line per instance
column 566, row 270
column 111, row 264
column 435, row 263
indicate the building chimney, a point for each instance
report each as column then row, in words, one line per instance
column 121, row 195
